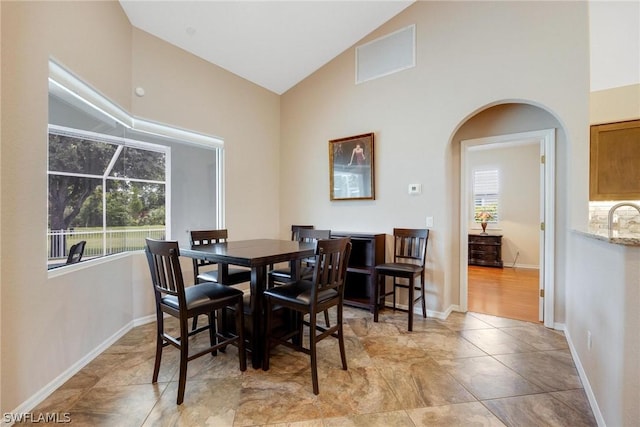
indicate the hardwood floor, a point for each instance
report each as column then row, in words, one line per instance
column 505, row 292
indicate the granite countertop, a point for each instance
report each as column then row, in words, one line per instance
column 627, row 239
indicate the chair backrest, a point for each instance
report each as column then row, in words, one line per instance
column 312, row 235
column 206, row 237
column 410, row 245
column 330, row 269
column 76, row 251
column 295, row 230
column 164, row 264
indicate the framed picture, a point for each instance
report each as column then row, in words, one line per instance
column 351, row 168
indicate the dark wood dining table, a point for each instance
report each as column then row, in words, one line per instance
column 256, row 254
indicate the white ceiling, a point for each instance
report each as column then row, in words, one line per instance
column 274, row 44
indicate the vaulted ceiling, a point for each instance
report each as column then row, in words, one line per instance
column 275, row 44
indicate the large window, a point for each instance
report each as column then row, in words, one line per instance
column 109, row 192
column 486, row 195
column 111, row 175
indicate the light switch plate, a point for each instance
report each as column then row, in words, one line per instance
column 429, row 222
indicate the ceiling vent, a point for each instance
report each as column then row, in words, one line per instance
column 386, row 55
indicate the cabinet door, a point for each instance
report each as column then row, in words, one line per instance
column 614, row 172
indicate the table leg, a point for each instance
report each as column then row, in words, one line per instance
column 258, row 278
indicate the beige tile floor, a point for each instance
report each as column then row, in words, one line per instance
column 470, row 369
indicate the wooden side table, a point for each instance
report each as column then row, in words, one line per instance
column 485, row 250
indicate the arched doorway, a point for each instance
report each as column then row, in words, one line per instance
column 512, row 124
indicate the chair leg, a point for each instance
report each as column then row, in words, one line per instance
column 394, row 293
column 424, row 303
column 376, row 296
column 159, row 346
column 296, row 319
column 213, row 339
column 411, row 302
column 242, row 354
column 184, row 356
column 326, row 318
column 343, row 353
column 313, row 353
column 195, row 318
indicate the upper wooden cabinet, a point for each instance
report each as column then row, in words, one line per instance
column 615, row 161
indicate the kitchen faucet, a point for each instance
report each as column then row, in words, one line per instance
column 613, row 209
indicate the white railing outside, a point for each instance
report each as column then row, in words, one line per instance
column 100, row 243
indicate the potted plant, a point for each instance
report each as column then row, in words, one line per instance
column 483, row 217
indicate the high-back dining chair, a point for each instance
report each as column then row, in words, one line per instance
column 295, row 230
column 283, row 275
column 410, row 251
column 172, row 298
column 323, row 291
column 202, row 268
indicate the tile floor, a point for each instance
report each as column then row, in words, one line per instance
column 470, row 369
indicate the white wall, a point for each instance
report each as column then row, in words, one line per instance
column 614, row 44
column 604, row 297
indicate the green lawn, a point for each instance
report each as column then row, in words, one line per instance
column 119, row 239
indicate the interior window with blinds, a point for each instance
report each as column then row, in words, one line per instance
column 486, row 195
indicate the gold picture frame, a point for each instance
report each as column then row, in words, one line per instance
column 351, row 168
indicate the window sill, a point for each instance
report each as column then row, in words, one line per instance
column 61, row 271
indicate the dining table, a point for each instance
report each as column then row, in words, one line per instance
column 256, row 254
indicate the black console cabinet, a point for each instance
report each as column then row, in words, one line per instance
column 367, row 251
column 485, row 250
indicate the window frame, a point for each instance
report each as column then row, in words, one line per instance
column 66, row 81
column 106, row 175
column 492, row 196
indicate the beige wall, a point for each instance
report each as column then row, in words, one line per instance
column 470, row 56
column 55, row 323
column 39, row 316
column 208, row 99
column 615, row 105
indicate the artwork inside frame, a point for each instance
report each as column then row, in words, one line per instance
column 351, row 171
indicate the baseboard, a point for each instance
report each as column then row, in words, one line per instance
column 585, row 381
column 52, row 386
column 440, row 315
column 144, row 320
column 527, row 266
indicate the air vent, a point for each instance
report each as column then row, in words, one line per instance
column 386, row 55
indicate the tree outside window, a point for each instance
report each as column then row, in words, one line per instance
column 103, row 191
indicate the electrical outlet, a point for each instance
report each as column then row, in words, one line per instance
column 429, row 222
column 589, row 340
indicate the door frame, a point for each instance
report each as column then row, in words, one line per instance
column 546, row 140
